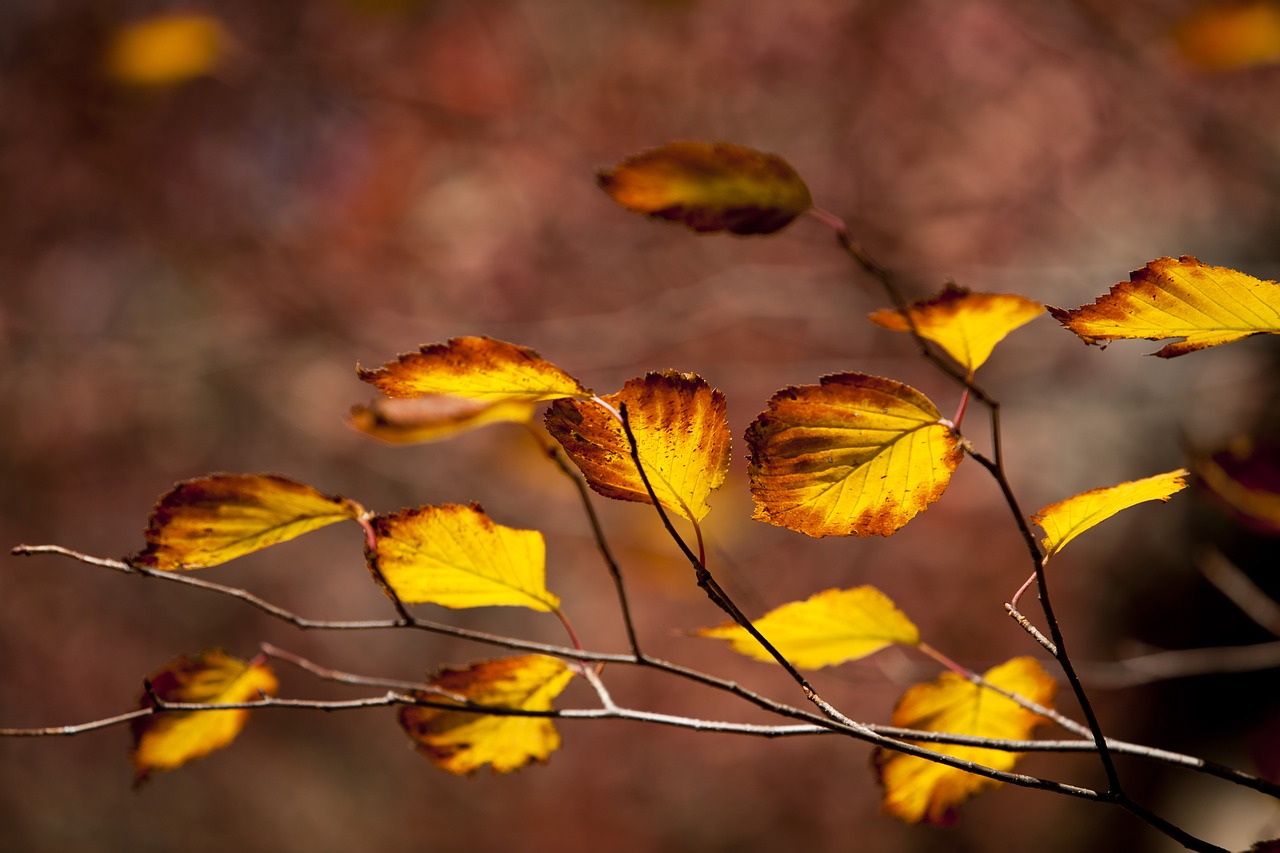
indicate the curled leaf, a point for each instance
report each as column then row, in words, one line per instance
column 166, row 49
column 1065, row 520
column 414, row 420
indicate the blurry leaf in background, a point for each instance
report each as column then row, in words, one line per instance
column 1245, row 477
column 710, row 187
column 1219, row 36
column 463, row 741
column 165, row 741
column 413, row 420
column 1067, row 519
column 166, row 50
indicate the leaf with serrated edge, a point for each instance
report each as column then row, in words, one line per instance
column 456, row 556
column 681, row 430
column 475, row 368
column 857, row 455
column 967, row 325
column 917, row 790
column 1067, row 519
column 169, row 740
column 463, row 741
column 415, row 420
column 1205, row 306
column 210, row 520
column 829, row 628
column 710, row 186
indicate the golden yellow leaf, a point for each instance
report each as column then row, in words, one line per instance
column 1065, row 520
column 475, row 368
column 455, row 556
column 1245, row 476
column 1205, row 306
column 828, row 628
column 211, row 520
column 681, row 431
column 167, row 49
column 856, row 455
column 710, row 186
column 917, row 790
column 170, row 739
column 1220, row 36
column 463, row 741
column 413, row 420
column 967, row 325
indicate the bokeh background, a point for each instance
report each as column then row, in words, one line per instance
column 191, row 268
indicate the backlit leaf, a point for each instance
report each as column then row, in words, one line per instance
column 832, row 627
column 710, row 186
column 916, row 790
column 455, row 556
column 170, row 739
column 413, row 420
column 1220, row 36
column 967, row 325
column 211, row 520
column 681, row 431
column 1065, row 520
column 1205, row 306
column 463, row 741
column 856, row 455
column 167, row 49
column 475, row 368
column 1245, row 477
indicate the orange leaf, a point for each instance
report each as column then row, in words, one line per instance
column 455, row 556
column 165, row 50
column 967, row 325
column 1227, row 36
column 1246, row 478
column 463, row 741
column 413, row 420
column 1065, row 520
column 918, row 790
column 856, row 455
column 170, row 739
column 211, row 520
column 1206, row 306
column 681, row 432
column 710, row 187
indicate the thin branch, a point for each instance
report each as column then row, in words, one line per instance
column 1183, row 663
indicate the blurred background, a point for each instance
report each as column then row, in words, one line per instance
column 204, row 227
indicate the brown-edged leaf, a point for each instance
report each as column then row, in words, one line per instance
column 413, row 420
column 1067, row 519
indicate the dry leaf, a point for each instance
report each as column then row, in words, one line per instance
column 1065, row 520
column 166, row 49
column 414, row 420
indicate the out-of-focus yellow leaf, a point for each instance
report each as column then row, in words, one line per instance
column 1245, row 476
column 211, row 520
column 165, row 50
column 1228, row 36
column 1065, row 520
column 916, row 790
column 710, row 186
column 832, row 627
column 170, row 739
column 455, row 556
column 681, row 431
column 856, row 455
column 967, row 325
column 475, row 368
column 463, row 741
column 1206, row 306
column 413, row 420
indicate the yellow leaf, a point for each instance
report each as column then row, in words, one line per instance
column 1206, row 306
column 856, row 455
column 1228, row 36
column 832, row 627
column 1246, row 478
column 967, row 325
column 917, row 790
column 455, row 556
column 166, row 49
column 681, row 431
column 413, row 420
column 475, row 368
column 1065, row 520
column 170, row 739
column 463, row 741
column 710, row 186
column 211, row 520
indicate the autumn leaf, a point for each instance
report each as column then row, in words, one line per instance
column 169, row 739
column 475, row 368
column 211, row 520
column 856, row 455
column 681, row 432
column 463, row 741
column 166, row 49
column 1220, row 36
column 413, row 420
column 710, row 186
column 917, row 790
column 967, row 325
column 1205, row 306
column 1245, row 477
column 828, row 628
column 1065, row 520
column 456, row 556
